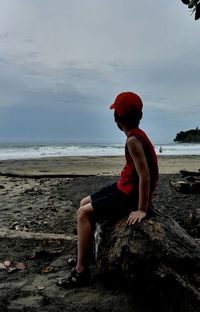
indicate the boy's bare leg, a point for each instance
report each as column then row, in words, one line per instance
column 85, row 233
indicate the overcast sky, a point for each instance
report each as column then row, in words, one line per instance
column 63, row 62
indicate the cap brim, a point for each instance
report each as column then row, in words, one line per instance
column 112, row 106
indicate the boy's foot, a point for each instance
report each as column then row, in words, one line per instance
column 75, row 279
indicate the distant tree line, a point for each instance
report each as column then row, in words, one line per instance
column 190, row 136
column 193, row 5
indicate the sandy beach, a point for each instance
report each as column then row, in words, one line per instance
column 109, row 165
column 48, row 205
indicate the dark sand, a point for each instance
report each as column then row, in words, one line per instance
column 49, row 205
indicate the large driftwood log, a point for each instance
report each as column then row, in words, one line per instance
column 186, row 173
column 42, row 175
column 156, row 258
column 191, row 183
column 186, row 187
column 6, row 233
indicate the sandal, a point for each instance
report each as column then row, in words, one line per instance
column 72, row 261
column 75, row 279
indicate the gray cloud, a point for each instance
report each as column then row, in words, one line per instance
column 62, row 63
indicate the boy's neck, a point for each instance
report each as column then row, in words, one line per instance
column 128, row 130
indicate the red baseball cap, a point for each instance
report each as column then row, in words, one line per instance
column 127, row 101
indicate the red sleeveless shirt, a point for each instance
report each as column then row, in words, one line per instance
column 129, row 180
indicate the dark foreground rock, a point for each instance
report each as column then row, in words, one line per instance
column 156, row 260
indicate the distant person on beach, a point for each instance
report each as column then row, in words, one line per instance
column 130, row 196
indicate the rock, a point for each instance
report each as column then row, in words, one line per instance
column 181, row 186
column 11, row 270
column 40, row 287
column 189, row 136
column 7, row 263
column 20, row 266
column 156, row 259
column 2, row 266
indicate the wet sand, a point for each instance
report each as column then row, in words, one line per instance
column 110, row 165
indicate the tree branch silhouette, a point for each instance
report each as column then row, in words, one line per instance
column 193, row 5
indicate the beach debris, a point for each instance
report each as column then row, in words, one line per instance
column 186, row 173
column 48, row 269
column 192, row 179
column 195, row 187
column 33, row 191
column 191, row 184
column 30, row 257
column 7, row 263
column 186, row 187
column 43, row 254
column 20, row 266
column 19, row 227
column 181, row 186
column 41, row 176
column 2, row 266
column 11, row 269
column 7, row 233
column 40, row 287
column 11, row 266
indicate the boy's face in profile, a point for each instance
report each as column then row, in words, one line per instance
column 129, row 120
column 119, row 126
column 117, row 122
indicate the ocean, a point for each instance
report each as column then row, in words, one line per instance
column 28, row 151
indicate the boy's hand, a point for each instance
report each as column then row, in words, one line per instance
column 136, row 216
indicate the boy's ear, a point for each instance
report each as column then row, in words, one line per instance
column 138, row 115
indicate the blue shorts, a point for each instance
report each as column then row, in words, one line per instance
column 111, row 203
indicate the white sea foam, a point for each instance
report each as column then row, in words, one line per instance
column 178, row 149
column 28, row 151
column 25, row 151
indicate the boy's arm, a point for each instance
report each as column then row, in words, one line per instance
column 137, row 153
